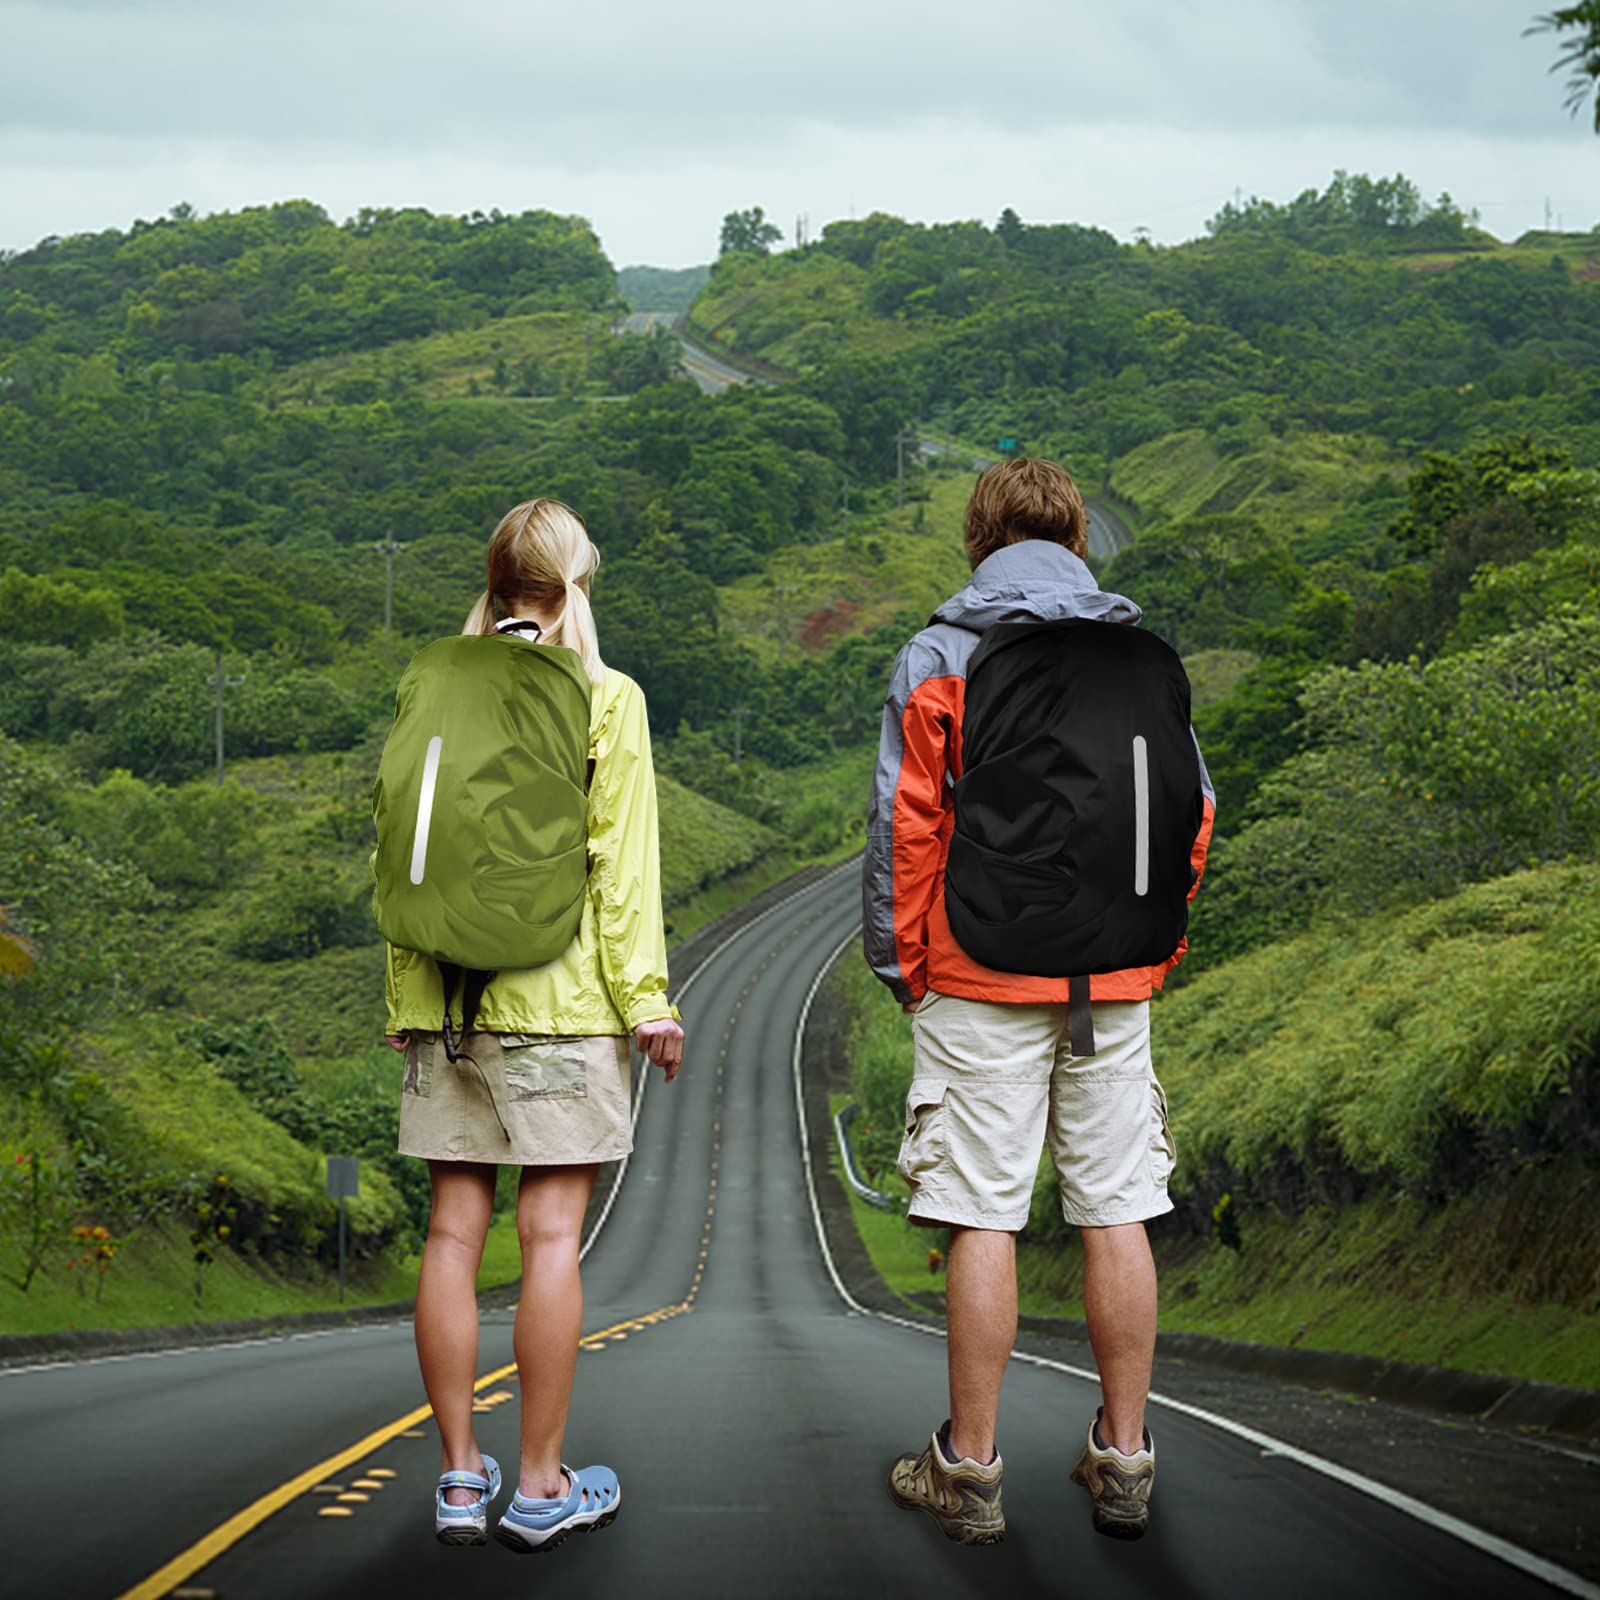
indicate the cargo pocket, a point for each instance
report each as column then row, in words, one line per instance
column 543, row 1067
column 418, row 1079
column 923, row 1147
column 1163, row 1148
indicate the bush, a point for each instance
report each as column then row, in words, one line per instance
column 300, row 913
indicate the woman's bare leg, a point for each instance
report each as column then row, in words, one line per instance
column 447, row 1308
column 550, row 1207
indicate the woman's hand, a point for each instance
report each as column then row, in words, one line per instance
column 663, row 1042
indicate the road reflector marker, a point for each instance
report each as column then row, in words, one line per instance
column 335, row 1511
column 367, row 1483
column 350, row 1498
column 414, row 1433
column 328, row 1488
column 380, row 1472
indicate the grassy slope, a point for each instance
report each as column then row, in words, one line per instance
column 793, row 311
column 1293, row 485
column 1377, row 1034
column 895, row 566
column 445, row 366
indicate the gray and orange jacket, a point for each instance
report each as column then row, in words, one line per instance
column 907, row 936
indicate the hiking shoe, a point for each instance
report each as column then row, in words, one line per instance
column 592, row 1498
column 466, row 1524
column 1118, row 1485
column 963, row 1497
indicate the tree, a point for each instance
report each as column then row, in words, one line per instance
column 1580, row 27
column 748, row 231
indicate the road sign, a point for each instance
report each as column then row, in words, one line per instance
column 344, row 1176
column 1008, row 446
column 344, row 1180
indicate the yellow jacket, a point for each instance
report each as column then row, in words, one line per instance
column 613, row 976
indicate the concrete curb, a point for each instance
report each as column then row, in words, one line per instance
column 24, row 1349
column 1508, row 1402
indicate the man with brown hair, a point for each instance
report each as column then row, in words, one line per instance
column 995, row 1071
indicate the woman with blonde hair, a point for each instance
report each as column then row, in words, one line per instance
column 542, row 1080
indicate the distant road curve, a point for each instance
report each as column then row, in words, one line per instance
column 1108, row 533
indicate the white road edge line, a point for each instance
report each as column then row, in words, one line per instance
column 588, row 1244
column 644, row 1078
column 1513, row 1555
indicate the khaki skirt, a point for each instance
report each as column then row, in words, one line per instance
column 518, row 1099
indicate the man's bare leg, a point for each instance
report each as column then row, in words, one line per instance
column 981, row 1302
column 1119, row 1303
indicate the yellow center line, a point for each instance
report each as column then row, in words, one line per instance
column 227, row 1534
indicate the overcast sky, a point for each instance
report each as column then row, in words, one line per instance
column 654, row 119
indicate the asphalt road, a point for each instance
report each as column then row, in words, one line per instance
column 750, row 1419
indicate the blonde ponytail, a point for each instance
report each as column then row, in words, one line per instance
column 576, row 629
column 540, row 557
column 481, row 618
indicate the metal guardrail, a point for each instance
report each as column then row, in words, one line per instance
column 852, row 1172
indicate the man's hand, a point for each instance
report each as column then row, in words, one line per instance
column 910, row 1007
column 662, row 1042
column 397, row 1041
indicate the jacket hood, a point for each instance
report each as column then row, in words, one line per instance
column 1034, row 581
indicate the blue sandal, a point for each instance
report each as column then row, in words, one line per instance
column 466, row 1524
column 533, row 1525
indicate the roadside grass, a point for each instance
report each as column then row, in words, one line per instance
column 1383, row 1105
column 152, row 1283
column 1390, row 1277
column 898, row 1249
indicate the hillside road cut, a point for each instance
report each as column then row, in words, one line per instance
column 748, row 1403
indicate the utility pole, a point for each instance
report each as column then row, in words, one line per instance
column 738, row 729
column 901, row 440
column 219, row 683
column 388, row 549
column 780, row 592
column 846, row 503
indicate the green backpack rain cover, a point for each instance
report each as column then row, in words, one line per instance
column 482, row 809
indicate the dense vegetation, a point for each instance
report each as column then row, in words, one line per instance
column 194, row 987
column 1357, row 439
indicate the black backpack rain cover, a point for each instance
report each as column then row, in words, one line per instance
column 1079, row 801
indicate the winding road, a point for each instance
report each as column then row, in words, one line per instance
column 748, row 1403
column 1108, row 533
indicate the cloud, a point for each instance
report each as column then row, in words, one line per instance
column 592, row 82
column 654, row 120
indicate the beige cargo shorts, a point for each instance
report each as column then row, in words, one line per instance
column 992, row 1082
column 517, row 1099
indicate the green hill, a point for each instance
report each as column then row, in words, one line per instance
column 1354, row 431
column 669, row 289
